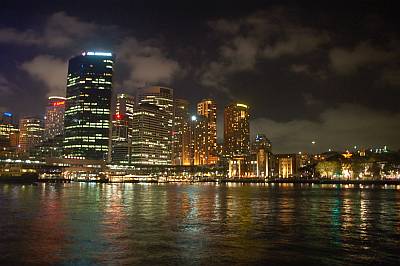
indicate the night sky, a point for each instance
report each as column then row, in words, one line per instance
column 325, row 72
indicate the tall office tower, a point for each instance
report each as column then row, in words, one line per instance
column 31, row 133
column 54, row 118
column 180, row 133
column 208, row 109
column 236, row 130
column 199, row 140
column 88, row 104
column 121, row 146
column 6, row 118
column 150, row 135
column 7, row 129
column 161, row 97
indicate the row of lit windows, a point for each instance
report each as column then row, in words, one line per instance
column 103, row 147
column 86, row 138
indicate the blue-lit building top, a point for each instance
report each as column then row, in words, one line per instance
column 88, row 103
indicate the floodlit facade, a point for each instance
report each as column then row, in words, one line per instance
column 262, row 151
column 87, row 111
column 236, row 130
column 163, row 98
column 288, row 165
column 31, row 133
column 208, row 124
column 121, row 147
column 150, row 135
column 54, row 118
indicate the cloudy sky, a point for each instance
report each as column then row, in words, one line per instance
column 324, row 72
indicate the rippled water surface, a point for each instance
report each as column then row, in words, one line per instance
column 198, row 224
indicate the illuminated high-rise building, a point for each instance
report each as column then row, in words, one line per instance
column 121, row 147
column 199, row 140
column 236, row 130
column 6, row 118
column 30, row 133
column 151, row 142
column 54, row 118
column 162, row 97
column 87, row 111
column 8, row 133
column 208, row 110
column 181, row 133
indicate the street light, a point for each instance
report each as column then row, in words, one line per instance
column 313, row 156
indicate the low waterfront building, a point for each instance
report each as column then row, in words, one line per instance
column 288, row 165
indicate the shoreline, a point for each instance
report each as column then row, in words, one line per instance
column 29, row 179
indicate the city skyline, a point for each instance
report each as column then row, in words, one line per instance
column 334, row 82
column 259, row 132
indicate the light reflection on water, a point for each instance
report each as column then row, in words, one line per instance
column 125, row 224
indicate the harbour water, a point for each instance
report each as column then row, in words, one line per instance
column 198, row 224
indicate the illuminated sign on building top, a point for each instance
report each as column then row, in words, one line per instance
column 7, row 114
column 241, row 105
column 59, row 103
column 97, row 53
column 56, row 97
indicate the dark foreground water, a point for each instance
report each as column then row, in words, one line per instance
column 200, row 224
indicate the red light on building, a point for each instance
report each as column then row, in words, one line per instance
column 59, row 103
column 118, row 117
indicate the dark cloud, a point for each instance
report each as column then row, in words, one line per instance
column 391, row 77
column 60, row 30
column 339, row 128
column 260, row 36
column 347, row 61
column 313, row 71
column 5, row 86
column 308, row 70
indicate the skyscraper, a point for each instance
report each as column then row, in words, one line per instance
column 31, row 133
column 162, row 97
column 208, row 109
column 150, row 135
column 181, row 133
column 199, row 140
column 54, row 118
column 88, row 104
column 122, row 129
column 8, row 134
column 236, row 130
